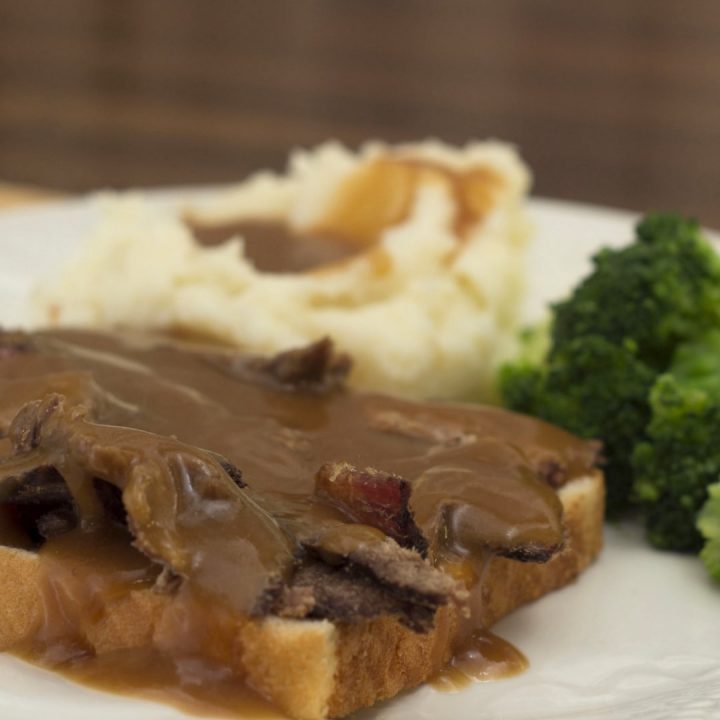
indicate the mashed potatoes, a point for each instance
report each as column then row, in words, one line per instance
column 425, row 301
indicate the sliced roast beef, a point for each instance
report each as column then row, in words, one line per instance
column 263, row 483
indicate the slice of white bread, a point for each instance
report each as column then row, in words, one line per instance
column 315, row 669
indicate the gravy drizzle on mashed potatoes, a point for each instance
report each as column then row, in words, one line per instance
column 424, row 297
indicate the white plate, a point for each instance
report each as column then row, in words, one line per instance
column 637, row 638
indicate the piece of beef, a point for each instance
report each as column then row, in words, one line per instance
column 375, row 579
column 14, row 342
column 192, row 511
column 348, row 594
column 25, row 429
column 404, row 571
column 372, row 497
column 553, row 471
column 42, row 505
column 234, row 473
column 176, row 503
column 110, row 497
column 181, row 504
column 315, row 367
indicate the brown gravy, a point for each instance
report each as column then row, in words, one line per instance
column 380, row 194
column 89, row 577
column 476, row 474
column 377, row 196
column 481, row 656
column 273, row 247
column 148, row 674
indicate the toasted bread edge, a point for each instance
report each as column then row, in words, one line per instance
column 315, row 669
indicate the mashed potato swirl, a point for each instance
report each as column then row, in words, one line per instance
column 426, row 303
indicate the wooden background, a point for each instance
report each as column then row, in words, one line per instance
column 614, row 102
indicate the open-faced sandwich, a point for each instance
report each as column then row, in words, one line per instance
column 228, row 489
column 187, row 520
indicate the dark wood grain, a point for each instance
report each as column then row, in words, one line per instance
column 615, row 102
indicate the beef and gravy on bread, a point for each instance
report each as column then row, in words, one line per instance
column 247, row 529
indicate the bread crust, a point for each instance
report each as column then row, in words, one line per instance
column 315, row 669
column 379, row 659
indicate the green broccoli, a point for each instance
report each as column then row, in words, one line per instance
column 709, row 525
column 610, row 341
column 681, row 455
column 594, row 389
column 659, row 291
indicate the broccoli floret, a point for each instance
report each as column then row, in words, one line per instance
column 709, row 525
column 698, row 362
column 681, row 455
column 595, row 389
column 522, row 381
column 657, row 292
column 610, row 342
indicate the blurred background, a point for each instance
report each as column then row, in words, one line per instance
column 614, row 102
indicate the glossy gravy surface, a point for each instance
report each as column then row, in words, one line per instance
column 376, row 196
column 87, row 578
column 273, row 247
column 476, row 475
column 480, row 657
